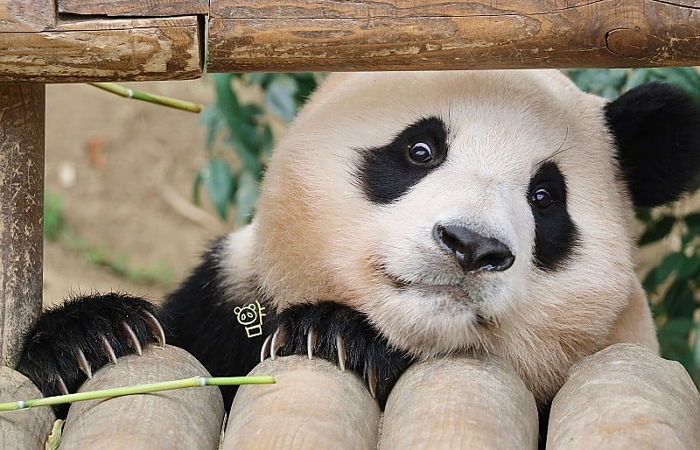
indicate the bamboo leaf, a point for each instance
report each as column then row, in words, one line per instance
column 657, row 230
column 246, row 196
column 218, row 180
column 279, row 97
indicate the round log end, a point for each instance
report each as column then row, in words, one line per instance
column 477, row 403
column 625, row 396
column 178, row 419
column 26, row 428
column 312, row 405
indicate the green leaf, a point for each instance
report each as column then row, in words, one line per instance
column 690, row 269
column 246, row 196
column 661, row 272
column 679, row 301
column 693, row 222
column 657, row 230
column 218, row 180
column 279, row 97
column 673, row 337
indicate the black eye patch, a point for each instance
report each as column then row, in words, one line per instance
column 386, row 173
column 555, row 232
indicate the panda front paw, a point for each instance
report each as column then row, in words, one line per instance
column 67, row 343
column 343, row 336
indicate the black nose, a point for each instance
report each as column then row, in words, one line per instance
column 473, row 251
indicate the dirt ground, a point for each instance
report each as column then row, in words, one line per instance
column 124, row 170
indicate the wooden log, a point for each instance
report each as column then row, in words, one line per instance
column 178, row 419
column 26, row 428
column 104, row 50
column 21, row 212
column 26, row 15
column 312, row 405
column 151, row 8
column 460, row 403
column 625, row 397
column 311, row 35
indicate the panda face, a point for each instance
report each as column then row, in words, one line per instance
column 458, row 210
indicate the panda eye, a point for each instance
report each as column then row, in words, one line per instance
column 420, row 153
column 541, row 198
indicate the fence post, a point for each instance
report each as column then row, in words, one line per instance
column 21, row 212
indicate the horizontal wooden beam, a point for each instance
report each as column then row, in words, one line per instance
column 310, row 35
column 27, row 15
column 153, row 8
column 102, row 50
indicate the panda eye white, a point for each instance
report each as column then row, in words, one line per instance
column 541, row 198
column 420, row 153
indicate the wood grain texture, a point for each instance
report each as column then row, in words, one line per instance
column 307, row 35
column 104, row 50
column 28, row 428
column 151, row 8
column 460, row 403
column 313, row 405
column 21, row 212
column 167, row 420
column 26, row 15
column 625, row 397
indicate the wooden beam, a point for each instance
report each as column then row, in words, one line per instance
column 460, row 402
column 328, row 35
column 625, row 396
column 178, row 419
column 313, row 404
column 21, row 212
column 27, row 15
column 103, row 50
column 22, row 429
column 151, row 8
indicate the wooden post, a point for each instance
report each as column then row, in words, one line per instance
column 625, row 397
column 169, row 420
column 21, row 212
column 460, row 403
column 28, row 428
column 312, row 405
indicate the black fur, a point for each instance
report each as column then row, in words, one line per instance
column 657, row 131
column 364, row 346
column 555, row 232
column 387, row 174
column 50, row 346
column 199, row 317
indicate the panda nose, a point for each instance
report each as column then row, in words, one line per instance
column 473, row 251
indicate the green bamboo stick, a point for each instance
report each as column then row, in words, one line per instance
column 136, row 389
column 152, row 98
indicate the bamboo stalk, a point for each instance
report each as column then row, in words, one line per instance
column 146, row 97
column 136, row 389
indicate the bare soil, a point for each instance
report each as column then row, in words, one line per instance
column 124, row 169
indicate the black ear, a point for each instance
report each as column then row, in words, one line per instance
column 657, row 132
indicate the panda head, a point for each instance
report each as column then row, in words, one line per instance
column 470, row 209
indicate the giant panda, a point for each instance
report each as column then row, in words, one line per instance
column 408, row 215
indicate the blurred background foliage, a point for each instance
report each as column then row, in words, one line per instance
column 245, row 125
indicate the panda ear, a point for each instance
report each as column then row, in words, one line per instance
column 657, row 132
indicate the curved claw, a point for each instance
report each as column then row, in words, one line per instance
column 342, row 356
column 61, row 385
column 372, row 380
column 109, row 351
column 131, row 336
column 277, row 341
column 265, row 348
column 156, row 328
column 83, row 364
column 311, row 342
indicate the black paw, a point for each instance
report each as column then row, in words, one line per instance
column 343, row 336
column 69, row 342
